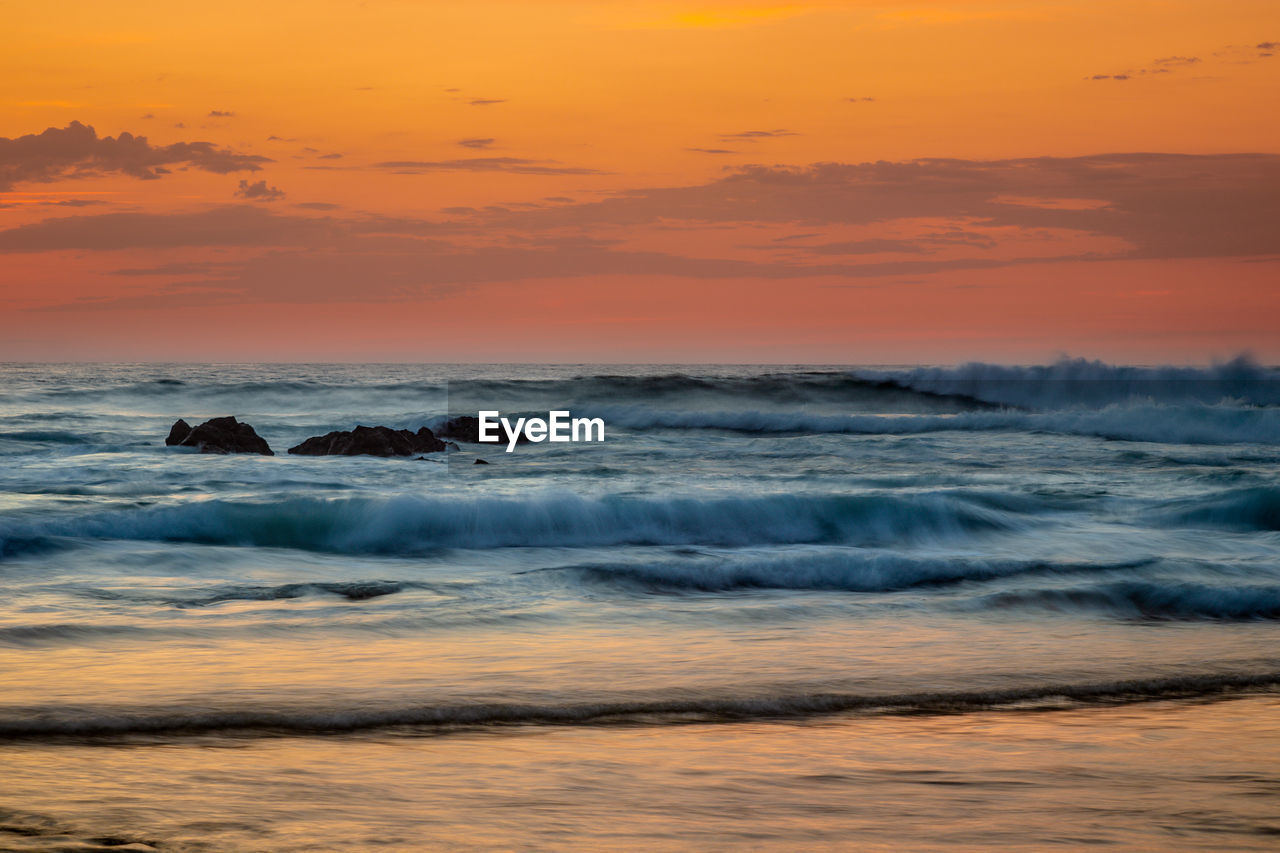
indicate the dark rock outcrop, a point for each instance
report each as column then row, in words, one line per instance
column 218, row 435
column 466, row 428
column 370, row 441
column 180, row 430
column 479, row 462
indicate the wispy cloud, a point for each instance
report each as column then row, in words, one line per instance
column 518, row 165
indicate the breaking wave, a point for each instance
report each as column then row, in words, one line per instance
column 1072, row 382
column 1185, row 424
column 414, row 525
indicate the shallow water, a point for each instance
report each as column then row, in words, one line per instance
column 891, row 608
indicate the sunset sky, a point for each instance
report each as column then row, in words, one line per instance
column 590, row 180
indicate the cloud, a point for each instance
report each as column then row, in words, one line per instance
column 1108, row 77
column 860, row 100
column 259, row 191
column 423, row 269
column 485, row 102
column 334, row 156
column 754, row 135
column 517, row 165
column 220, row 114
column 712, row 150
column 866, row 247
column 831, row 218
column 76, row 151
column 479, row 142
column 230, row 225
column 317, row 205
column 1161, row 205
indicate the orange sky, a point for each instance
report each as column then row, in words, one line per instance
column 591, row 180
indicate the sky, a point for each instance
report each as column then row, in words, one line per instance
column 606, row 181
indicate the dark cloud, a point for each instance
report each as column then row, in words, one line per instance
column 220, row 114
column 517, row 165
column 712, row 150
column 259, row 191
column 484, row 102
column 317, row 205
column 77, row 151
column 1177, row 60
column 860, row 100
column 1108, row 77
column 479, row 142
column 334, row 156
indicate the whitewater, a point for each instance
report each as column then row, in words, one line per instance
column 781, row 607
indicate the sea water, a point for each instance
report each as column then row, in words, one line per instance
column 897, row 608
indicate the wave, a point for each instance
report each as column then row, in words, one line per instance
column 1170, row 424
column 1256, row 508
column 60, row 722
column 850, row 571
column 1072, row 382
column 350, row 590
column 414, row 525
column 795, row 387
column 16, row 635
column 168, row 387
column 1151, row 601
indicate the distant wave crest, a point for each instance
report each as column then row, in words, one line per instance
column 1178, row 424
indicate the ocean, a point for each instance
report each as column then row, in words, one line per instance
column 778, row 608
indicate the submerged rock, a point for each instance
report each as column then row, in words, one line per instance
column 370, row 441
column 218, row 435
column 479, row 462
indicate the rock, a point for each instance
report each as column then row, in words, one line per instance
column 218, row 435
column 180, row 430
column 479, row 462
column 370, row 441
column 466, row 428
